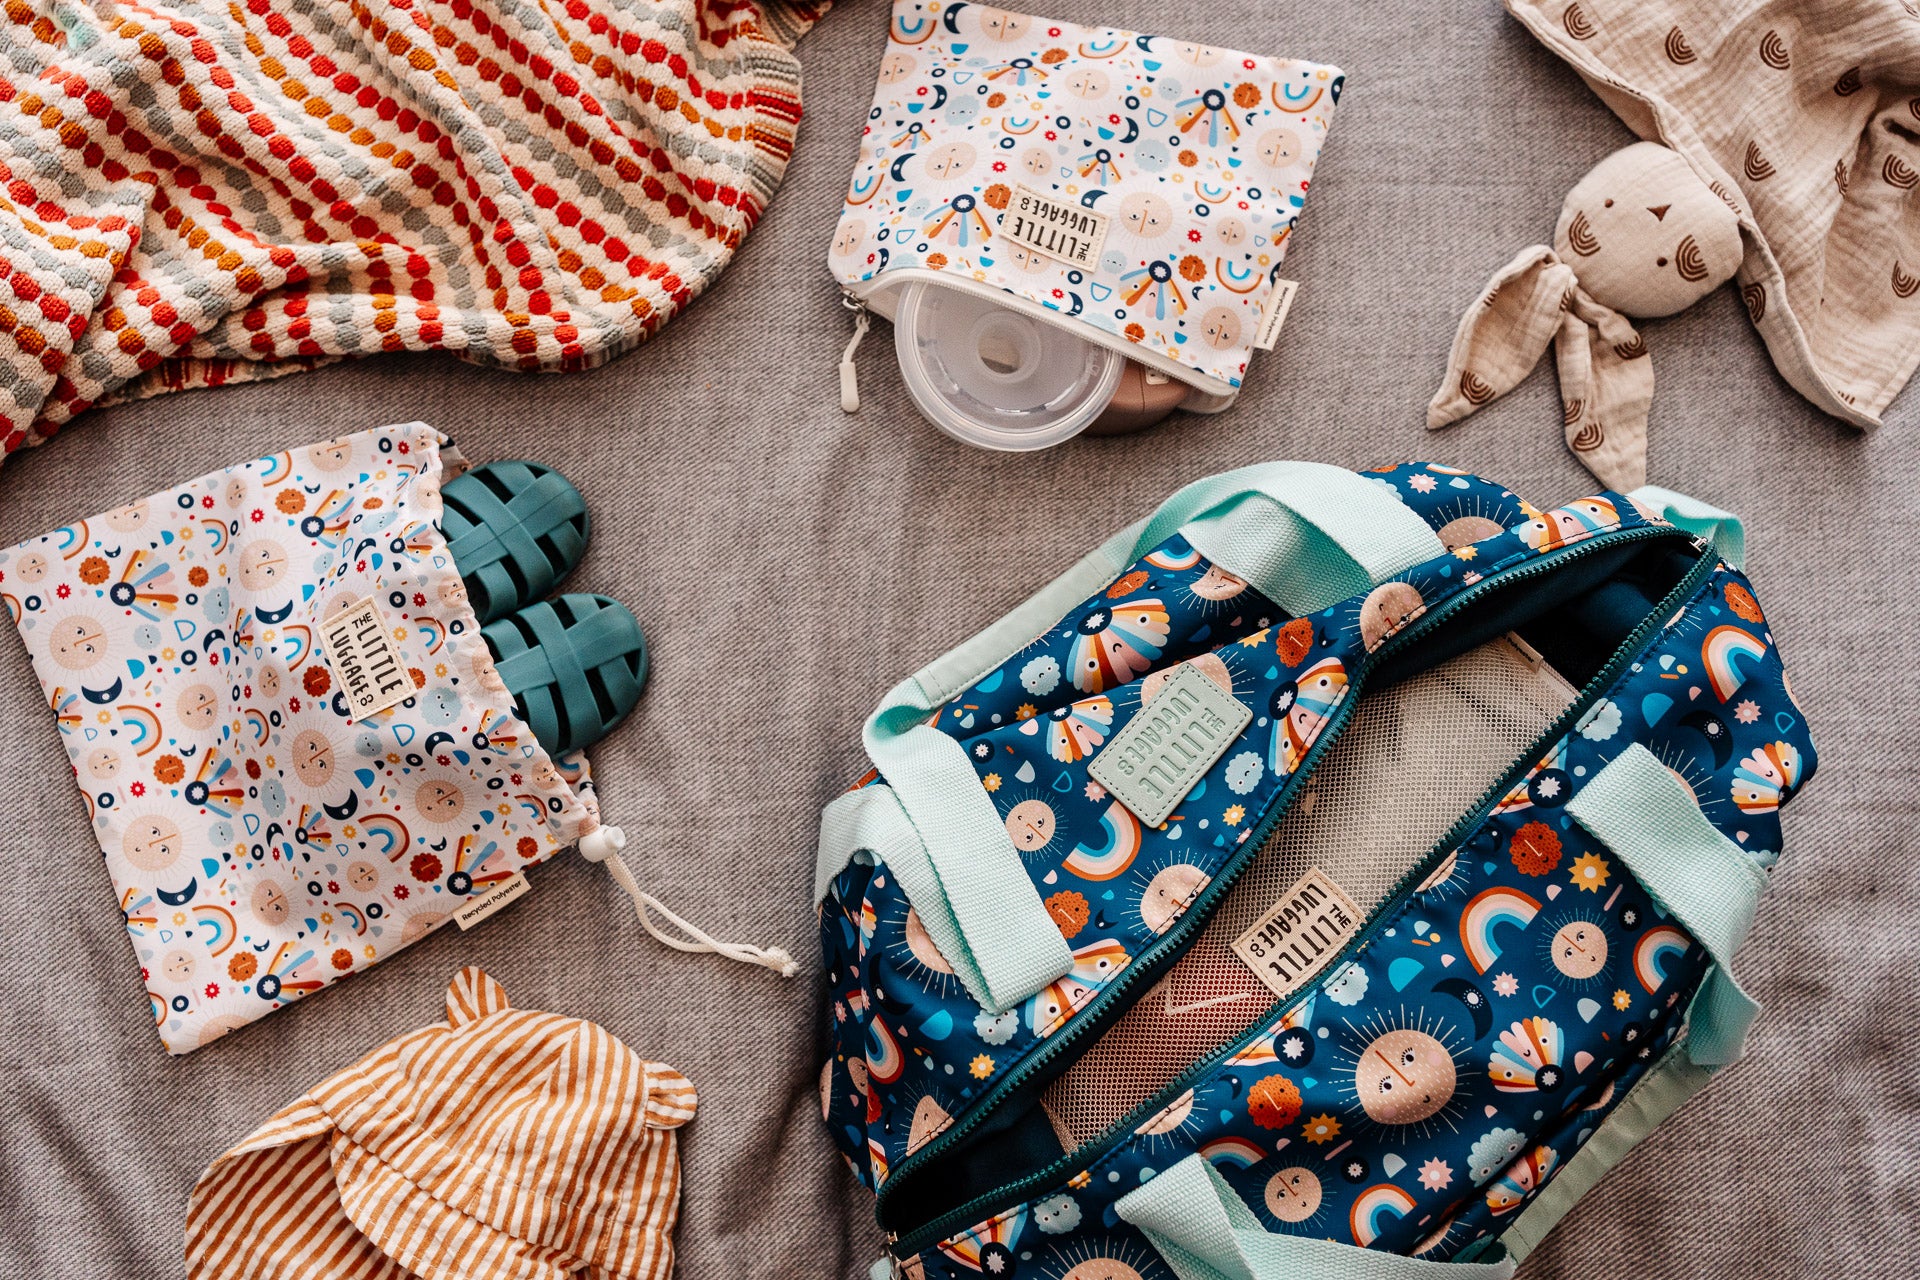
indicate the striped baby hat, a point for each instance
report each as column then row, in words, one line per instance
column 502, row 1142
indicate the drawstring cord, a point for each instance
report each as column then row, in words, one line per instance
column 603, row 844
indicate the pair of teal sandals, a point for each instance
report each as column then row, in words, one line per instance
column 575, row 663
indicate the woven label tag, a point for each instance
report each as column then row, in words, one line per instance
column 1057, row 228
column 361, row 652
column 1171, row 741
column 1279, row 302
column 491, row 899
column 1300, row 934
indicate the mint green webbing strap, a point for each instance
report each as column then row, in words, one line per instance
column 1722, row 528
column 1639, row 810
column 1205, row 1231
column 1304, row 534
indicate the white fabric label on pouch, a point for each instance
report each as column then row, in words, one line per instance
column 484, row 902
column 1279, row 302
column 1061, row 229
column 361, row 652
column 1300, row 934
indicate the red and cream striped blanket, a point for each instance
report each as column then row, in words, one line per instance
column 203, row 191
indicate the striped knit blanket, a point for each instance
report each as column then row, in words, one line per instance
column 204, row 191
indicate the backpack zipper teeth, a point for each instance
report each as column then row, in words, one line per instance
column 1196, row 915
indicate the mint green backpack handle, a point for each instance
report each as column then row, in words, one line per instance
column 1722, row 528
column 1306, row 535
column 1205, row 1231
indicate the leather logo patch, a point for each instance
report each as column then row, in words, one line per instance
column 1170, row 744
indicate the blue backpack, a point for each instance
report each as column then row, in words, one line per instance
column 1330, row 874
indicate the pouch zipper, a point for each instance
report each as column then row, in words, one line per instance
column 1173, row 943
column 849, row 376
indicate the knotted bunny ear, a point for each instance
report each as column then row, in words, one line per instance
column 472, row 995
column 1504, row 334
column 1606, row 379
column 1606, row 386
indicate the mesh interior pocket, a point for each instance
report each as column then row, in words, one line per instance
column 1412, row 760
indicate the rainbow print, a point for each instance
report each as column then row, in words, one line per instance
column 1486, row 910
column 1120, row 845
column 1164, row 558
column 217, row 921
column 1657, row 949
column 1725, row 652
column 1372, row 1210
column 1236, row 1152
column 885, row 1062
column 388, row 833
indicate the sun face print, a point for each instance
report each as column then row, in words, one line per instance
column 130, row 517
column 1217, row 585
column 103, row 764
column 1575, row 944
column 1002, row 24
column 197, row 707
column 949, row 161
column 1278, row 148
column 1401, row 1070
column 1211, row 665
column 1219, row 328
column 1111, row 1258
column 31, row 567
column 270, row 904
column 1031, row 823
column 330, row 455
column 151, row 841
column 1088, row 82
column 1173, row 1128
column 92, row 646
column 1146, row 216
column 910, row 949
column 1170, row 887
column 439, row 803
column 1294, row 1197
column 314, row 759
column 263, row 566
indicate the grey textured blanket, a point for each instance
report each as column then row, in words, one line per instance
column 790, row 563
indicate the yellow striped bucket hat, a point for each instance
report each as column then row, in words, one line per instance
column 501, row 1143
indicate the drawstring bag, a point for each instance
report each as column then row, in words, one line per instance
column 290, row 737
column 1137, row 190
column 1329, row 874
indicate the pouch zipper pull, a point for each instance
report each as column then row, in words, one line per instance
column 849, row 378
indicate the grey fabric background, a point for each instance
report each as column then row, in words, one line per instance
column 790, row 563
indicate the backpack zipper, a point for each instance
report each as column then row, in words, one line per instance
column 1158, row 955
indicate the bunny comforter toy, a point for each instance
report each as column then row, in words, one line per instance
column 1640, row 236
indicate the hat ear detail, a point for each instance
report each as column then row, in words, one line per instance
column 472, row 995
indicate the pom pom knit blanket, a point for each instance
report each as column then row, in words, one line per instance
column 203, row 191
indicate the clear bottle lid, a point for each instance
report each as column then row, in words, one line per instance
column 996, row 377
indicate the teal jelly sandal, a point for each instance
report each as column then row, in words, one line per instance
column 574, row 664
column 515, row 530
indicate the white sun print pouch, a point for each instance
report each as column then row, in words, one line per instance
column 1136, row 189
column 289, row 734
